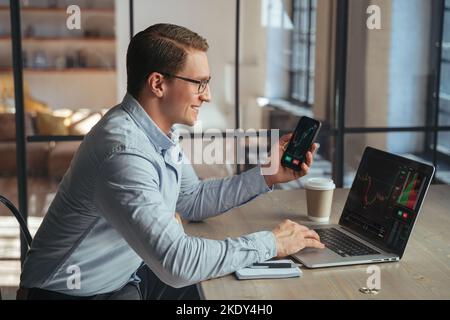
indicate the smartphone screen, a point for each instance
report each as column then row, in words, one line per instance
column 301, row 141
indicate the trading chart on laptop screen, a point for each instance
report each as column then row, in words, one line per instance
column 384, row 201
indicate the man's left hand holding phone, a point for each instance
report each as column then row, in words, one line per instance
column 284, row 174
column 290, row 236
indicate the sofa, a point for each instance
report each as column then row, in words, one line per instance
column 43, row 158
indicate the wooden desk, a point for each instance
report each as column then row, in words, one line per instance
column 423, row 273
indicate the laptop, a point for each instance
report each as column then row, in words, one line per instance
column 379, row 214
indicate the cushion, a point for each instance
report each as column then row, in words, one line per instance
column 83, row 126
column 49, row 124
column 32, row 105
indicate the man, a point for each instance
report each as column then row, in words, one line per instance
column 111, row 231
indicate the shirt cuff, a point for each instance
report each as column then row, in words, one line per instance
column 256, row 182
column 269, row 189
column 265, row 243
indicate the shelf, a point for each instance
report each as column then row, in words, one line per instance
column 55, row 71
column 60, row 10
column 46, row 41
column 54, row 39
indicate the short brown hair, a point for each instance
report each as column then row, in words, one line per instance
column 159, row 48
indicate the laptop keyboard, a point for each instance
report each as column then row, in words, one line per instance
column 342, row 244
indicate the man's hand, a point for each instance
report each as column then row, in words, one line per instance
column 286, row 174
column 292, row 237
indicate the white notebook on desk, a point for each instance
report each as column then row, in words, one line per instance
column 269, row 273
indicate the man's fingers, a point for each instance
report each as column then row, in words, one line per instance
column 295, row 224
column 312, row 243
column 309, row 158
column 299, row 226
column 285, row 138
column 305, row 168
column 283, row 142
column 311, row 234
column 302, row 227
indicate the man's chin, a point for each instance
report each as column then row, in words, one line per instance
column 189, row 123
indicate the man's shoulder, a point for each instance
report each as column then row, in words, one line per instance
column 117, row 132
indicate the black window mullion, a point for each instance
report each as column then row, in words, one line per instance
column 302, row 38
column 436, row 89
column 340, row 90
column 16, row 36
column 308, row 52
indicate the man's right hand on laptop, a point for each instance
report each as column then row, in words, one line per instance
column 292, row 237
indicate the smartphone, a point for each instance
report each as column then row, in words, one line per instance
column 301, row 141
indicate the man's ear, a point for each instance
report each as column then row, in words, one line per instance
column 155, row 83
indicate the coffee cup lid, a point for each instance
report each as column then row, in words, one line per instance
column 320, row 184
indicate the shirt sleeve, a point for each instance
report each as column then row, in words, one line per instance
column 127, row 195
column 199, row 200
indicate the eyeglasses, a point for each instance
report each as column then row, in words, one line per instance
column 202, row 84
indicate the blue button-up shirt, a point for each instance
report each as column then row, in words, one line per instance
column 115, row 207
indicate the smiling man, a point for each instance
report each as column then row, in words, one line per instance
column 111, row 230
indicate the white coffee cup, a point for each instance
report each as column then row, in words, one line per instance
column 319, row 197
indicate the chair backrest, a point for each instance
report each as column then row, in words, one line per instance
column 20, row 219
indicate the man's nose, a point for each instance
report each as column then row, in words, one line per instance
column 206, row 95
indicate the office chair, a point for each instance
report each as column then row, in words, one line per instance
column 20, row 219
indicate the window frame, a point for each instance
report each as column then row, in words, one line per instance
column 299, row 45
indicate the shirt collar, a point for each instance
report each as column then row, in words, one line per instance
column 143, row 120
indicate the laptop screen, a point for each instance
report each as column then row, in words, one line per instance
column 385, row 199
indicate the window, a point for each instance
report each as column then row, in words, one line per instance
column 444, row 91
column 303, row 50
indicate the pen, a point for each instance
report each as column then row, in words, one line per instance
column 272, row 265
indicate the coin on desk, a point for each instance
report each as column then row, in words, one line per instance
column 368, row 290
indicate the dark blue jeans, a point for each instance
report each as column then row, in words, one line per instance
column 150, row 288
